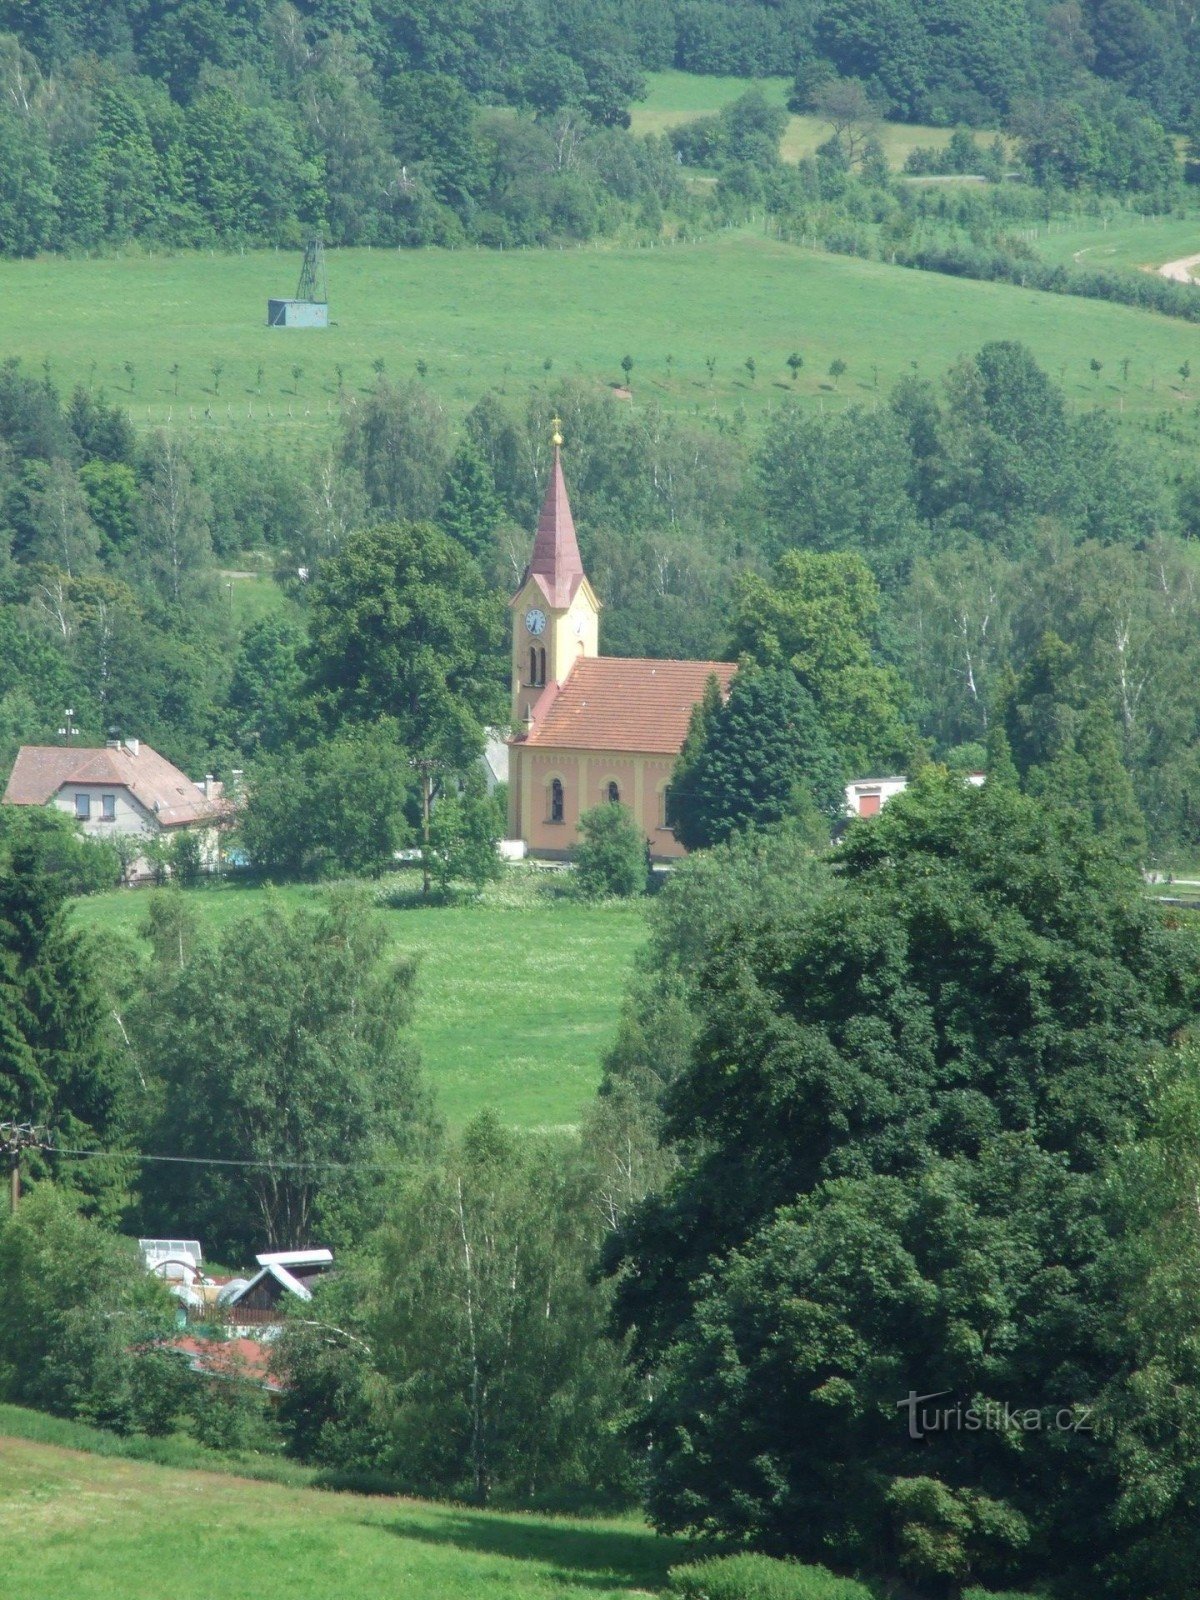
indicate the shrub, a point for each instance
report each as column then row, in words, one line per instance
column 756, row 1577
column 611, row 858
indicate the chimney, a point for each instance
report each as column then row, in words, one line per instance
column 113, row 742
column 235, row 784
column 208, row 784
column 133, row 746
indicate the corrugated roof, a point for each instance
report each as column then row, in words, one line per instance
column 625, row 703
column 41, row 770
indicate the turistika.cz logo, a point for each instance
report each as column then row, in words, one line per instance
column 990, row 1417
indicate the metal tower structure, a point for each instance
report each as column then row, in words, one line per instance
column 312, row 286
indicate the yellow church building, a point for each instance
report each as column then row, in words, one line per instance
column 588, row 728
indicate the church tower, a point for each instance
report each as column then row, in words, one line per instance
column 555, row 613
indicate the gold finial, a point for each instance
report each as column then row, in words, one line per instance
column 556, row 424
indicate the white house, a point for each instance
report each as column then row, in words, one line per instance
column 866, row 797
column 121, row 788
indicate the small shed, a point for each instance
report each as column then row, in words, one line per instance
column 297, row 313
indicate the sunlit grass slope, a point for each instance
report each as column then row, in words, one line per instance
column 479, row 319
column 675, row 97
column 518, row 994
column 81, row 1527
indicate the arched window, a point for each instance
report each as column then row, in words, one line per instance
column 542, row 668
column 537, row 667
column 614, row 794
column 556, row 800
column 668, row 807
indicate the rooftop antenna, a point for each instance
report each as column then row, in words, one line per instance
column 312, row 285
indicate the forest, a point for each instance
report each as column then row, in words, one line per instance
column 405, row 124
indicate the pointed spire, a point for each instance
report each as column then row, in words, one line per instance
column 555, row 551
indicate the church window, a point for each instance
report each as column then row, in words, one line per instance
column 537, row 667
column 614, row 794
column 556, row 800
column 541, row 668
column 668, row 808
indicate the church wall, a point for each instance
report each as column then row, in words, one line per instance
column 585, row 776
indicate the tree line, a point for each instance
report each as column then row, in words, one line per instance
column 178, row 126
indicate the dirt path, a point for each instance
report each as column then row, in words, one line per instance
column 1180, row 271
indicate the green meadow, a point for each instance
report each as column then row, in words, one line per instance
column 1122, row 241
column 478, row 320
column 518, row 994
column 99, row 1528
column 675, row 97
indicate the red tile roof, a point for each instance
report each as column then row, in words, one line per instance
column 229, row 1358
column 556, row 563
column 625, row 703
column 41, row 770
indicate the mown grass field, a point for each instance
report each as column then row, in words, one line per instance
column 1125, row 242
column 675, row 97
column 484, row 319
column 518, row 994
column 105, row 1529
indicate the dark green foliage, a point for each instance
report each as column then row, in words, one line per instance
column 314, row 1060
column 471, row 510
column 403, row 626
column 80, row 1320
column 611, row 856
column 817, row 617
column 464, row 831
column 264, row 696
column 335, row 807
column 468, row 1358
column 59, row 1066
column 69, row 863
column 893, row 1137
column 761, row 757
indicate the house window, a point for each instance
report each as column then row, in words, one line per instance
column 668, row 808
column 108, row 807
column 556, row 800
column 83, row 807
column 614, row 794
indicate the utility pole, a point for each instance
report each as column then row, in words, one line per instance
column 15, row 1137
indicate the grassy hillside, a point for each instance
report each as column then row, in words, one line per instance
column 1125, row 242
column 479, row 319
column 518, row 995
column 675, row 97
column 104, row 1529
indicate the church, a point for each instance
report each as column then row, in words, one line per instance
column 588, row 729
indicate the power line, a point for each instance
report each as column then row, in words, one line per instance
column 266, row 1164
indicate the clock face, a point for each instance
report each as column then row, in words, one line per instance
column 535, row 621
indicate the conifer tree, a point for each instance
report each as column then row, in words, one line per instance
column 58, row 1067
column 761, row 756
column 470, row 510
